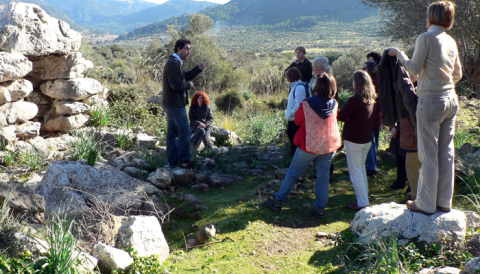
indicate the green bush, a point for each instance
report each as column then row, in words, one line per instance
column 229, row 100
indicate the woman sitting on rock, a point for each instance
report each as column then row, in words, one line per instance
column 201, row 118
column 317, row 139
column 359, row 116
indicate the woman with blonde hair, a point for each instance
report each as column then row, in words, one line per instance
column 359, row 116
column 437, row 63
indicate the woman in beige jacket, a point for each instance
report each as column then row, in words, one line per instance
column 437, row 63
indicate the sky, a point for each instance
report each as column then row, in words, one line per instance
column 163, row 1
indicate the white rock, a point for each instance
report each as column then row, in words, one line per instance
column 19, row 112
column 28, row 130
column 472, row 266
column 29, row 30
column 145, row 141
column 68, row 66
column 111, row 258
column 71, row 108
column 145, row 235
column 18, row 89
column 473, row 220
column 65, row 124
column 4, row 96
column 87, row 263
column 161, row 178
column 13, row 66
column 226, row 134
column 7, row 135
column 376, row 221
column 73, row 89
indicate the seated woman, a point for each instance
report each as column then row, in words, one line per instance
column 201, row 118
column 317, row 140
column 359, row 115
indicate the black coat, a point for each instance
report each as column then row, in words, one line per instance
column 305, row 69
column 175, row 83
column 397, row 93
column 205, row 116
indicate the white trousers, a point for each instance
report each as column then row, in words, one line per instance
column 356, row 156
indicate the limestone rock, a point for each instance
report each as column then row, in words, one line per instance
column 7, row 135
column 73, row 89
column 473, row 220
column 87, row 263
column 111, row 258
column 473, row 160
column 208, row 231
column 145, row 141
column 18, row 89
column 221, row 151
column 23, row 202
column 466, row 148
column 29, row 30
column 440, row 270
column 38, row 98
column 473, row 266
column 182, row 176
column 220, row 179
column 74, row 184
column 161, row 178
column 393, row 219
column 65, row 124
column 136, row 172
column 19, row 112
column 226, row 134
column 28, row 130
column 13, row 66
column 63, row 66
column 4, row 96
column 145, row 235
column 71, row 108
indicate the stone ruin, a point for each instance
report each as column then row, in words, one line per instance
column 42, row 84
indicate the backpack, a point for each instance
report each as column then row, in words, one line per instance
column 305, row 86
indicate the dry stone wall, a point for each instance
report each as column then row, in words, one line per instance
column 42, row 84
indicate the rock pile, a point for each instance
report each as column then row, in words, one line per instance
column 42, row 84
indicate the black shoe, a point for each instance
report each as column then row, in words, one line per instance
column 273, row 204
column 396, row 186
column 372, row 173
column 443, row 209
column 186, row 164
column 408, row 190
column 318, row 213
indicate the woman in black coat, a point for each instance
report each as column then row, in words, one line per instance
column 201, row 118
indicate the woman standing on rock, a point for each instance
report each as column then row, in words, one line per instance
column 317, row 140
column 201, row 118
column 359, row 116
column 437, row 63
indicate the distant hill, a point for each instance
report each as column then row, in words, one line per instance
column 52, row 11
column 279, row 13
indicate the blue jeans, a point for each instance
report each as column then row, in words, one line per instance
column 201, row 134
column 371, row 162
column 301, row 161
column 178, row 128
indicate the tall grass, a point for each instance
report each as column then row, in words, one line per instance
column 33, row 158
column 83, row 143
column 100, row 116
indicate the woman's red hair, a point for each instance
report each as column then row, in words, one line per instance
column 206, row 101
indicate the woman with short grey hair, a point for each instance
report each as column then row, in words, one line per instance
column 320, row 64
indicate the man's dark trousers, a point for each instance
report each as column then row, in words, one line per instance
column 178, row 127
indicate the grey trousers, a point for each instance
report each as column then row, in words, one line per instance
column 435, row 129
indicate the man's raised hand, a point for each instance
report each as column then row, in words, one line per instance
column 201, row 65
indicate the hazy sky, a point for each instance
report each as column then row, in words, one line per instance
column 163, row 1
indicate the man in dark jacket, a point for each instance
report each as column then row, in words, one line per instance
column 303, row 64
column 175, row 99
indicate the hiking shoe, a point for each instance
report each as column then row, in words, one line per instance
column 413, row 207
column 443, row 209
column 354, row 206
column 186, row 164
column 318, row 213
column 372, row 173
column 273, row 204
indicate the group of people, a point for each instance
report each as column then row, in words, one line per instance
column 382, row 90
column 416, row 97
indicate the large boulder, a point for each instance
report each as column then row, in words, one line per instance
column 226, row 134
column 13, row 66
column 161, row 178
column 66, row 123
column 28, row 130
column 19, row 112
column 71, row 108
column 23, row 202
column 145, row 235
column 52, row 67
column 18, row 89
column 73, row 185
column 29, row 30
column 73, row 89
column 111, row 258
column 396, row 220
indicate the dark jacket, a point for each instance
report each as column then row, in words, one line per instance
column 397, row 93
column 358, row 117
column 408, row 138
column 204, row 115
column 305, row 69
column 377, row 124
column 175, row 83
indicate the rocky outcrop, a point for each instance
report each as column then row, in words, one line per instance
column 29, row 30
column 396, row 220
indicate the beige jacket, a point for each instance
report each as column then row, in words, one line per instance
column 435, row 61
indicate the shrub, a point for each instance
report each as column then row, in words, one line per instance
column 229, row 100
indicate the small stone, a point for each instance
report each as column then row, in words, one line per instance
column 466, row 148
column 321, row 235
column 200, row 187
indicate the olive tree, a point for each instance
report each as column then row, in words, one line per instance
column 404, row 20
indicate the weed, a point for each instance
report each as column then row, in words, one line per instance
column 100, row 116
column 124, row 139
column 34, row 159
column 10, row 157
column 153, row 158
column 83, row 143
column 460, row 138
